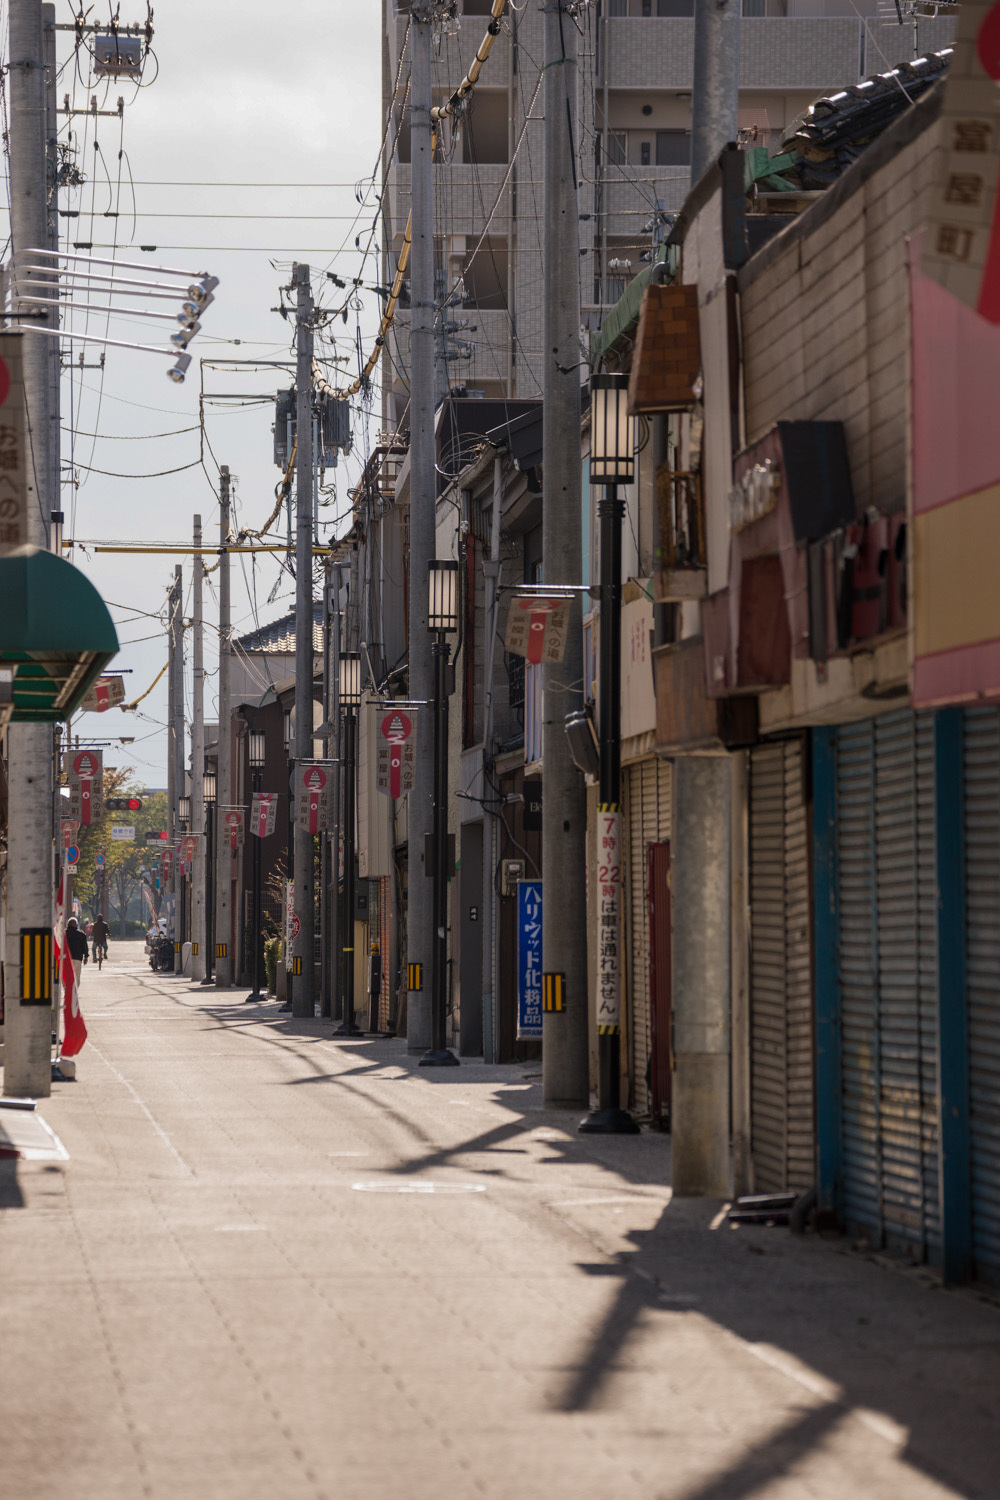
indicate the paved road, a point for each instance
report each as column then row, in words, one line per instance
column 276, row 1267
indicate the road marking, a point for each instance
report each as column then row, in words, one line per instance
column 164, row 1137
column 418, row 1187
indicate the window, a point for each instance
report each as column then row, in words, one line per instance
column 673, row 148
column 485, row 128
column 617, row 148
column 617, row 7
column 644, row 153
column 755, row 7
column 675, row 7
column 485, row 275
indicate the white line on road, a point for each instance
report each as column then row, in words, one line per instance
column 164, row 1137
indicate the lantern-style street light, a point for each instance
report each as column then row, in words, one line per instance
column 612, row 462
column 442, row 620
column 349, row 685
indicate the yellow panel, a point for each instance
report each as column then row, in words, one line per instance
column 956, row 573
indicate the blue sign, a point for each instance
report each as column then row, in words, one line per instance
column 529, row 959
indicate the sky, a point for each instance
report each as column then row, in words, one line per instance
column 286, row 102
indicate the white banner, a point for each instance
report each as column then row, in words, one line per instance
column 609, row 888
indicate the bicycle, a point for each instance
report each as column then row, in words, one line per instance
column 100, row 954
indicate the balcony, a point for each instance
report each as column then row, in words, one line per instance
column 683, row 559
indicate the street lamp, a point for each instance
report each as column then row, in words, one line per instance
column 184, row 812
column 612, row 462
column 209, row 791
column 349, row 685
column 442, row 619
column 255, row 750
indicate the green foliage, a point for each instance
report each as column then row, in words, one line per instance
column 272, row 957
column 123, row 861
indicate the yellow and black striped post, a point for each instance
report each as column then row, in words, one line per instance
column 297, row 964
column 414, row 977
column 36, row 965
column 194, row 950
column 553, row 992
column 222, row 950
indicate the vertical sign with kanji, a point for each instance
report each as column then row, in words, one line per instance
column 962, row 241
column 536, row 628
column 529, row 958
column 312, row 802
column 396, row 756
column 232, row 822
column 262, row 813
column 85, row 773
column 13, row 469
column 609, row 887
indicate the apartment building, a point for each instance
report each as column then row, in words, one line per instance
column 633, row 151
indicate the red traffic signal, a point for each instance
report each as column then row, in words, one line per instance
column 123, row 804
column 135, row 804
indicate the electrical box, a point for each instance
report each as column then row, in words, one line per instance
column 511, row 871
column 284, row 427
column 117, row 56
column 334, row 428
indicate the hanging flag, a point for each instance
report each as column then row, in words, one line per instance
column 85, row 774
column 536, row 628
column 312, row 803
column 106, row 693
column 396, row 759
column 262, row 814
column 232, row 818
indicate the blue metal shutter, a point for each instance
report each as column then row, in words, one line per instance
column 861, row 1187
column 982, row 896
column 888, row 961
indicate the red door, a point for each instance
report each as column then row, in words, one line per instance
column 658, row 887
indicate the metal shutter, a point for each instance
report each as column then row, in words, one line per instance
column 888, row 976
column 982, row 895
column 781, row 1041
column 647, row 789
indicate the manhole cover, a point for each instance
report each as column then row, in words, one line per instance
column 419, row 1187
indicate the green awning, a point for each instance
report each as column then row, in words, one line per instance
column 55, row 632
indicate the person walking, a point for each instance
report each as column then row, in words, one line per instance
column 100, row 932
column 76, row 942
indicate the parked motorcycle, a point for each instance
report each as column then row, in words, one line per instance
column 161, row 954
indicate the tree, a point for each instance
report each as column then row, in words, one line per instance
column 123, row 859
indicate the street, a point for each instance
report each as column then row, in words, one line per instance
column 276, row 1265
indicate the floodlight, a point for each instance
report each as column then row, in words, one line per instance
column 182, row 339
column 179, row 369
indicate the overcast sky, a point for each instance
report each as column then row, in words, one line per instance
column 245, row 94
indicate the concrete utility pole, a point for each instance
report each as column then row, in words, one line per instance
column 423, row 486
column 565, row 1069
column 198, row 762
column 175, row 750
column 224, row 778
column 27, row 1032
column 716, row 84
column 304, row 984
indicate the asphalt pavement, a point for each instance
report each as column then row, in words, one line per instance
column 269, row 1265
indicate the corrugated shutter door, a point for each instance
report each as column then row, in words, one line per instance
column 862, row 1192
column 648, row 822
column 888, row 980
column 768, row 1060
column 982, row 895
column 781, row 1031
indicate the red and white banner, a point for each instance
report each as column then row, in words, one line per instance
column 232, row 821
column 85, row 774
column 190, row 846
column 536, row 628
column 106, row 693
column 962, row 242
column 166, row 865
column 262, row 814
column 74, row 1026
column 396, row 757
column 69, row 828
column 13, row 467
column 312, row 800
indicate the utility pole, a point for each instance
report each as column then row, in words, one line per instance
column 198, row 762
column 304, row 984
column 565, row 1069
column 27, row 1032
column 715, row 90
column 224, row 778
column 423, row 487
column 175, row 749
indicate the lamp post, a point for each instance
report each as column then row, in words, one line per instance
column 255, row 743
column 442, row 620
column 349, row 683
column 210, row 793
column 612, row 462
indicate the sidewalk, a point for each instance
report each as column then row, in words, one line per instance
column 278, row 1266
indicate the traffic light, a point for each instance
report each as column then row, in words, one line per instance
column 123, row 804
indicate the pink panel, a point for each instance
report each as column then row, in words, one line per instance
column 956, row 380
column 964, row 675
